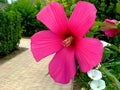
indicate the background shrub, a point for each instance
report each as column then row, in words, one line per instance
column 107, row 9
column 3, row 1
column 10, row 31
column 28, row 10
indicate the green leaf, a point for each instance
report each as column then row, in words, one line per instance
column 111, row 64
column 118, row 7
column 110, row 76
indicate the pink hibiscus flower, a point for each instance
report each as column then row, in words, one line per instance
column 110, row 29
column 66, row 40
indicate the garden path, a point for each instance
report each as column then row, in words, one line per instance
column 22, row 72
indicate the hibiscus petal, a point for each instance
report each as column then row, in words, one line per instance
column 45, row 43
column 111, row 32
column 54, row 17
column 63, row 68
column 82, row 18
column 110, row 21
column 88, row 53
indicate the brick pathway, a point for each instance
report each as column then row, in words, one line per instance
column 23, row 73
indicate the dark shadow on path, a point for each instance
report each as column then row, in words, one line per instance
column 12, row 55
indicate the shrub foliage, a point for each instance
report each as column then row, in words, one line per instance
column 107, row 9
column 28, row 10
column 10, row 31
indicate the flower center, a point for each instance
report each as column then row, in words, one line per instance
column 98, row 86
column 68, row 41
column 93, row 76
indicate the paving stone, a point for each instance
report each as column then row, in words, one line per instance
column 23, row 73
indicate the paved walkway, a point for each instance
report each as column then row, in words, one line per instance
column 23, row 73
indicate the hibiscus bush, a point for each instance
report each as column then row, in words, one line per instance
column 10, row 31
column 90, row 59
column 106, row 31
column 111, row 58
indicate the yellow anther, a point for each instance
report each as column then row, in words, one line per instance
column 68, row 41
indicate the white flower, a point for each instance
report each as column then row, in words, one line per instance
column 105, row 43
column 94, row 74
column 97, row 84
